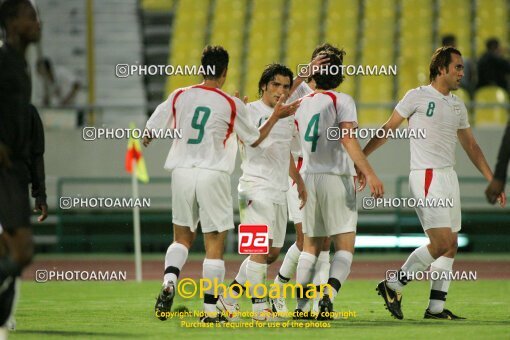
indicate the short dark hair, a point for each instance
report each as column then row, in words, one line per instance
column 449, row 40
column 330, row 75
column 492, row 44
column 271, row 71
column 327, row 47
column 216, row 57
column 10, row 9
column 442, row 57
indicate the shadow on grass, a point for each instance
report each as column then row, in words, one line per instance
column 71, row 333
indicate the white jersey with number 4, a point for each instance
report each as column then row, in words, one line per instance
column 440, row 116
column 318, row 112
column 266, row 168
column 208, row 118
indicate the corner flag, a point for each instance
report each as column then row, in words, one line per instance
column 134, row 152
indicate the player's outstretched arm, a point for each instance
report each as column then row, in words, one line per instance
column 475, row 154
column 393, row 123
column 281, row 110
column 296, row 177
column 353, row 148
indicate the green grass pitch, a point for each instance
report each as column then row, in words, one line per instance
column 98, row 310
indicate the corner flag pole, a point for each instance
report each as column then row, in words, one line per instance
column 136, row 226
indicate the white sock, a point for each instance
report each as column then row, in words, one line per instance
column 256, row 274
column 233, row 296
column 419, row 260
column 289, row 265
column 322, row 266
column 305, row 271
column 213, row 271
column 175, row 258
column 439, row 288
column 241, row 275
column 340, row 269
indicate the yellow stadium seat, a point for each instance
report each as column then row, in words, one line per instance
column 303, row 31
column 491, row 115
column 187, row 40
column 373, row 117
column 455, row 18
column 265, row 41
column 491, row 21
column 227, row 31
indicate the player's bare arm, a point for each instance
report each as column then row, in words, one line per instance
column 296, row 177
column 475, row 154
column 497, row 185
column 353, row 148
column 281, row 110
column 392, row 124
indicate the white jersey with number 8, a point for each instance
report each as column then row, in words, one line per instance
column 440, row 116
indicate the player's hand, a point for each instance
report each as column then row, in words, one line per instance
column 494, row 190
column 302, row 194
column 5, row 162
column 43, row 208
column 319, row 60
column 360, row 179
column 282, row 110
column 146, row 141
column 245, row 98
column 376, row 186
column 502, row 199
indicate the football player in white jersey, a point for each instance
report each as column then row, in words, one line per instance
column 329, row 179
column 201, row 163
column 301, row 88
column 445, row 118
column 263, row 186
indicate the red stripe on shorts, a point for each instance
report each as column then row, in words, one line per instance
column 428, row 179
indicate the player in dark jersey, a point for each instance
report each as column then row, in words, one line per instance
column 21, row 147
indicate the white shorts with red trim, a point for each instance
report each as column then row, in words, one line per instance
column 437, row 185
column 274, row 215
column 331, row 206
column 202, row 195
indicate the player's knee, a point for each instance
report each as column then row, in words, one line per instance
column 185, row 240
column 273, row 255
column 441, row 247
column 454, row 246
